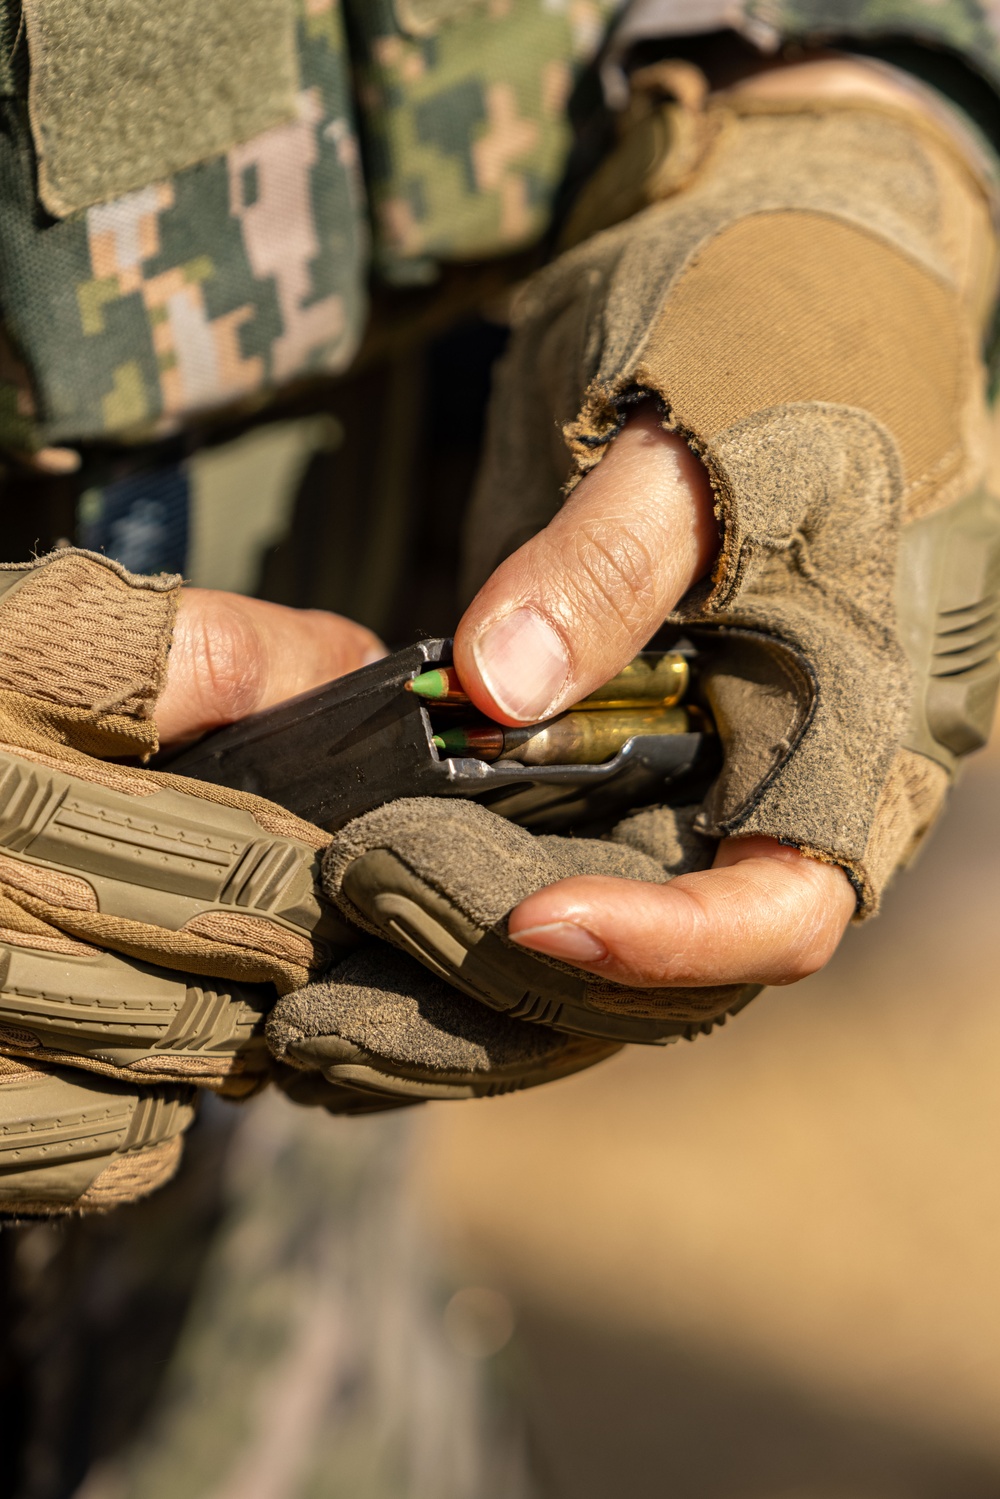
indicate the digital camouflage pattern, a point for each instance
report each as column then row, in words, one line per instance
column 233, row 276
column 249, row 270
column 466, row 126
column 967, row 27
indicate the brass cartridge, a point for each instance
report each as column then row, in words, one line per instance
column 575, row 738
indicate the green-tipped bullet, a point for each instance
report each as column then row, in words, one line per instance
column 439, row 686
column 571, row 739
column 483, row 742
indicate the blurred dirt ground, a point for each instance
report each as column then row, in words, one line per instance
column 767, row 1265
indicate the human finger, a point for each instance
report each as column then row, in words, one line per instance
column 764, row 914
column 568, row 609
column 231, row 656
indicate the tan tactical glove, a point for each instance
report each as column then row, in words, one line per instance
column 806, row 303
column 113, row 878
column 437, row 878
column 809, row 310
column 146, row 919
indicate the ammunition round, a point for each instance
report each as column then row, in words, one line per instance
column 481, row 743
column 648, row 681
column 582, row 738
column 652, row 680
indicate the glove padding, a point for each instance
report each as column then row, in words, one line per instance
column 143, row 918
column 165, row 869
column 438, row 878
column 379, row 1023
column 807, row 308
column 71, row 1143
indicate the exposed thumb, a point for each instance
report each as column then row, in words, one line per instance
column 567, row 610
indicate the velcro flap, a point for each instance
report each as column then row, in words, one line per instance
column 124, row 93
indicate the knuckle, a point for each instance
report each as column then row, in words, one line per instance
column 230, row 663
column 615, row 573
column 811, row 949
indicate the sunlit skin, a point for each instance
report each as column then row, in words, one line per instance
column 592, row 587
column 629, row 542
column 232, row 656
column 763, row 913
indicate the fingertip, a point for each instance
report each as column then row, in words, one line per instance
column 566, row 940
column 574, row 604
column 758, row 919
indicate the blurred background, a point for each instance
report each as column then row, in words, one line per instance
column 766, row 1265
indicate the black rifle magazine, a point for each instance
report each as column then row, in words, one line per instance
column 363, row 740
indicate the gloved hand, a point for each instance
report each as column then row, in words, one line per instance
column 808, row 311
column 805, row 306
column 437, row 878
column 146, row 920
column 143, row 919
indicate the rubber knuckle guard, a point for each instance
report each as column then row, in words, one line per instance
column 64, row 1001
column 437, row 879
column 73, row 1144
column 109, row 864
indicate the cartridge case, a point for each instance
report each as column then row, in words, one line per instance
column 650, row 680
column 582, row 738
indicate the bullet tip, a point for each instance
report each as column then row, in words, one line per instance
column 428, row 684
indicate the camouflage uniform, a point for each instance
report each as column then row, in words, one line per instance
column 249, row 270
column 135, row 308
column 196, row 290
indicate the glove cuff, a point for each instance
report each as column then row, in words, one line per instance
column 83, row 653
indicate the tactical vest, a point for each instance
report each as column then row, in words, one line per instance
column 185, row 222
